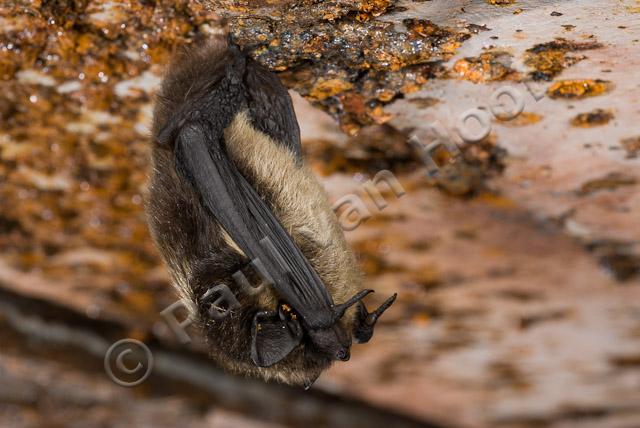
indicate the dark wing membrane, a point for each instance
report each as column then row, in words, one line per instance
column 217, row 98
column 250, row 223
column 270, row 107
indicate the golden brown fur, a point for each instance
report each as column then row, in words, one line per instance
column 299, row 202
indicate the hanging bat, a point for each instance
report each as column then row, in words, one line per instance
column 229, row 190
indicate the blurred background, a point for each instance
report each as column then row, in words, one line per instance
column 517, row 264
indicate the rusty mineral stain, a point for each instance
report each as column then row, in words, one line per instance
column 549, row 59
column 325, row 88
column 632, row 146
column 501, row 2
column 467, row 174
column 497, row 201
column 371, row 261
column 628, row 361
column 375, row 149
column 531, row 320
column 617, row 257
column 523, row 119
column 347, row 64
column 490, row 66
column 597, row 117
column 577, row 89
column 610, row 181
column 424, row 102
column 383, row 147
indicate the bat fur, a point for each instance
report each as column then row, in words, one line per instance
column 200, row 253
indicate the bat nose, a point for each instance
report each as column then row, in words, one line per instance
column 343, row 354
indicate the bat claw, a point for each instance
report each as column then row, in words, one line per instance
column 309, row 383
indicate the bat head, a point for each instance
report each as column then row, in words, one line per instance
column 275, row 337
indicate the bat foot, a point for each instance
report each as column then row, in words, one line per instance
column 365, row 321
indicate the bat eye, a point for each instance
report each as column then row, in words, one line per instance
column 343, row 354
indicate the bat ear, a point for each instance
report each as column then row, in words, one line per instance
column 272, row 339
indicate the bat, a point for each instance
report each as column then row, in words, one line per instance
column 229, row 191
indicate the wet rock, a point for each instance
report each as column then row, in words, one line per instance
column 551, row 58
column 339, row 58
column 490, row 66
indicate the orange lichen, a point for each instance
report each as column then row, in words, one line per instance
column 577, row 89
column 325, row 88
column 549, row 59
column 488, row 67
column 497, row 201
column 523, row 119
column 374, row 61
column 372, row 8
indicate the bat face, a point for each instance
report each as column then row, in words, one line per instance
column 231, row 203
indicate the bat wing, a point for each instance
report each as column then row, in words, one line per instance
column 236, row 205
column 270, row 107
